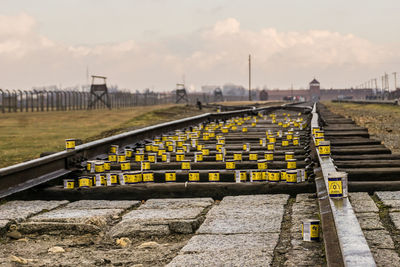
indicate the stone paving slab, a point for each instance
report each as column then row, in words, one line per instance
column 209, row 243
column 389, row 195
column 128, row 228
column 240, row 226
column 379, row 239
column 386, row 257
column 305, row 207
column 261, row 219
column 395, row 217
column 302, row 256
column 232, row 258
column 392, row 204
column 303, row 253
column 362, row 202
column 240, row 231
column 255, row 200
column 20, row 210
column 359, row 196
column 103, row 204
column 370, row 221
column 56, row 228
column 162, row 215
column 77, row 215
column 222, row 211
column 306, row 198
column 177, row 203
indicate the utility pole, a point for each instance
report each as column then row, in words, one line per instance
column 291, row 91
column 395, row 80
column 249, row 77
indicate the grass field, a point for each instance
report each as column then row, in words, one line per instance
column 25, row 135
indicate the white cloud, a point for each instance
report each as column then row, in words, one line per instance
column 212, row 55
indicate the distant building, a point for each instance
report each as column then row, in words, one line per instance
column 315, row 90
column 315, row 93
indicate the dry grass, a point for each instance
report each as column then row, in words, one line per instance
column 25, row 135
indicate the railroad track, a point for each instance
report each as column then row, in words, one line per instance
column 262, row 163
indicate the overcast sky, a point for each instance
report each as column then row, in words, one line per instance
column 154, row 43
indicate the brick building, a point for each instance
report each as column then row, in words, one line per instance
column 316, row 93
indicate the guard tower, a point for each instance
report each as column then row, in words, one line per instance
column 181, row 94
column 315, row 92
column 218, row 96
column 99, row 92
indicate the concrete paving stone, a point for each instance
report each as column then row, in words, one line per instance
column 103, row 204
column 232, row 258
column 305, row 208
column 185, row 226
column 159, row 222
column 237, row 225
column 129, row 227
column 162, row 215
column 359, row 196
column 395, row 217
column 247, row 211
column 386, row 257
column 390, row 195
column 55, row 228
column 20, row 210
column 210, row 243
column 370, row 221
column 95, row 216
column 255, row 200
column 379, row 239
column 306, row 198
column 364, row 206
column 177, row 203
column 392, row 204
column 305, row 257
column 299, row 244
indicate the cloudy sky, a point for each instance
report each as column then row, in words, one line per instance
column 155, row 43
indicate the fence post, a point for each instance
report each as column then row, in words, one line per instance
column 8, row 100
column 14, row 100
column 52, row 99
column 26, row 101
column 31, row 97
column 2, row 101
column 21, row 106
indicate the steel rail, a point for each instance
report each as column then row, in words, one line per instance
column 28, row 174
column 351, row 248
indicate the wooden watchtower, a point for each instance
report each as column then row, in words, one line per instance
column 99, row 93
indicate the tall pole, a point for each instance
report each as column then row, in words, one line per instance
column 249, row 77
column 387, row 81
column 291, row 91
column 395, row 80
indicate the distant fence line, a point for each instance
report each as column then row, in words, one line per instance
column 58, row 100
